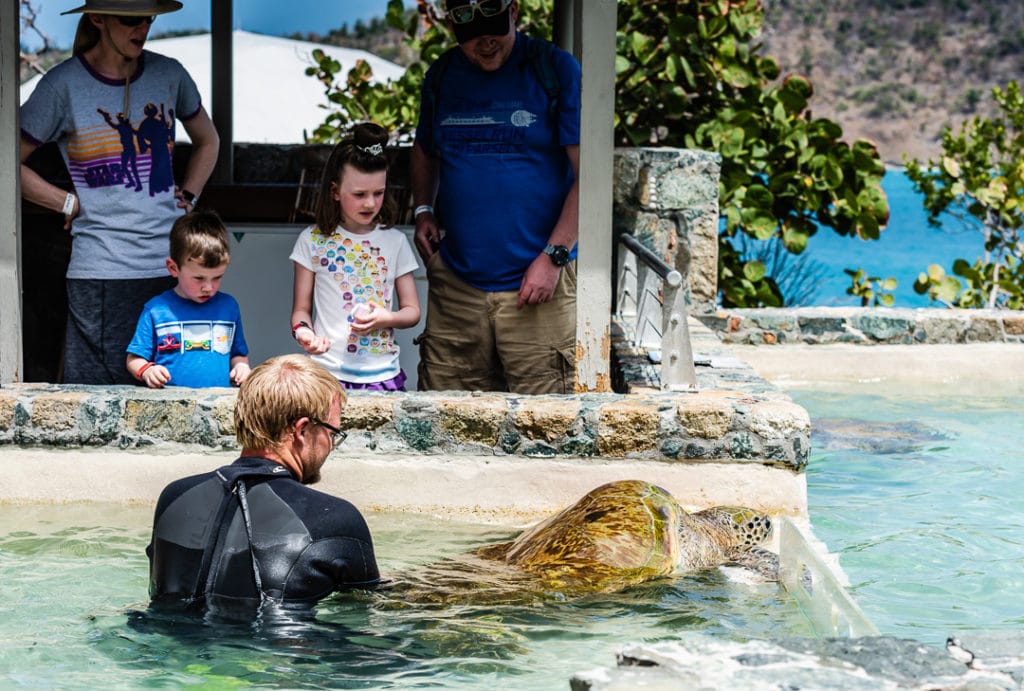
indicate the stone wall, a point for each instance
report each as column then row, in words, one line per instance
column 722, row 425
column 668, row 199
column 865, row 325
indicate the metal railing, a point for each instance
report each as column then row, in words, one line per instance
column 650, row 298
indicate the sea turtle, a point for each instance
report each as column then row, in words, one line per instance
column 628, row 532
column 619, row 535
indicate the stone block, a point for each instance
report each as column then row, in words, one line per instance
column 223, row 412
column 820, row 326
column 885, row 326
column 627, row 427
column 473, row 420
column 774, row 420
column 546, row 418
column 417, row 433
column 8, row 406
column 706, row 419
column 1013, row 325
column 367, row 412
column 943, row 329
column 57, row 412
column 680, row 188
column 985, row 330
column 170, row 420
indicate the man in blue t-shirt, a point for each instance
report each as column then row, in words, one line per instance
column 497, row 152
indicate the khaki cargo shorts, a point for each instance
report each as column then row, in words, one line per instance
column 475, row 340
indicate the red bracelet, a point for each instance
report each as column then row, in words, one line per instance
column 298, row 326
column 142, row 370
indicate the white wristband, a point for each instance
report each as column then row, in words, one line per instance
column 422, row 209
column 69, row 204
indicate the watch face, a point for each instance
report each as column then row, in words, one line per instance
column 559, row 255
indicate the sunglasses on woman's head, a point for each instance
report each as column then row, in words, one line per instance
column 463, row 14
column 125, row 20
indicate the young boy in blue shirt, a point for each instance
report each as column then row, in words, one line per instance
column 192, row 335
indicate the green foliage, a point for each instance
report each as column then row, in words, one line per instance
column 871, row 290
column 688, row 74
column 395, row 103
column 978, row 281
column 981, row 177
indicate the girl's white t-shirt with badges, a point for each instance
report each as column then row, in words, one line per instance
column 351, row 271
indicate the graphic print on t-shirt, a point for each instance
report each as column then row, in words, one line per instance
column 360, row 272
column 117, row 152
column 179, row 337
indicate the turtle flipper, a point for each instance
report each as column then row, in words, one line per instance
column 761, row 561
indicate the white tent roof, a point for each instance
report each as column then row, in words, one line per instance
column 274, row 100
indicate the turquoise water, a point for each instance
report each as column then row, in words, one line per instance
column 73, row 589
column 906, row 247
column 919, row 492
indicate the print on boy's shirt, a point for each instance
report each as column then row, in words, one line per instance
column 361, row 275
column 179, row 337
column 117, row 152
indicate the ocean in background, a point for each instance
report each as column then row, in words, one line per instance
column 906, row 247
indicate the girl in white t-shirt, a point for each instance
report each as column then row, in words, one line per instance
column 349, row 266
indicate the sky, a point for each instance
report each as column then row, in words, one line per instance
column 274, row 17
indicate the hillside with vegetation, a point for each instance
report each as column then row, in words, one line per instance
column 897, row 71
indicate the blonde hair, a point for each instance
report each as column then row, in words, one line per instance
column 86, row 35
column 277, row 393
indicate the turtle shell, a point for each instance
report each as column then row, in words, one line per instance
column 619, row 534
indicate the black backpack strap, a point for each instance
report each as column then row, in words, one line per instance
column 541, row 56
column 432, row 90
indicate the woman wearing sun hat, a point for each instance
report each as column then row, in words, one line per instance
column 92, row 105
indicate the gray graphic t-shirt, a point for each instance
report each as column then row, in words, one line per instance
column 120, row 162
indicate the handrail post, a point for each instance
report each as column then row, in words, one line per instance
column 677, row 369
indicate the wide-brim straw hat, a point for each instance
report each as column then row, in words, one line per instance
column 128, row 8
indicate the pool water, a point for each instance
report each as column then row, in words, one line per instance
column 73, row 583
column 918, row 489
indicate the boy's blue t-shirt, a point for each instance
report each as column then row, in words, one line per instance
column 194, row 341
column 504, row 172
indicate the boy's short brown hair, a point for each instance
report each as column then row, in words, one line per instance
column 200, row 235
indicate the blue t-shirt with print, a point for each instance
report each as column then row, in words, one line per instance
column 504, row 172
column 194, row 341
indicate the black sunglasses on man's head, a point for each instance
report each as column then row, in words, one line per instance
column 463, row 14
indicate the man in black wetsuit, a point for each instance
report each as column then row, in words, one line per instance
column 252, row 532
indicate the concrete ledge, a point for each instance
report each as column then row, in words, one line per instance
column 865, row 325
column 514, row 491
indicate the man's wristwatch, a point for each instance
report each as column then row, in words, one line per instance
column 558, row 254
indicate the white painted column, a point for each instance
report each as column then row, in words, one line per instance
column 10, row 198
column 594, row 44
